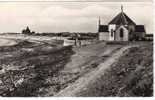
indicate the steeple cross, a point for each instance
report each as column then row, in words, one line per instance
column 122, row 8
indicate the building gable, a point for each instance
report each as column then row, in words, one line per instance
column 122, row 18
column 121, row 36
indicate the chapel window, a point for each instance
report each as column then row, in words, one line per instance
column 121, row 33
column 112, row 32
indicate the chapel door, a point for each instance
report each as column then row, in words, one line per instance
column 121, row 34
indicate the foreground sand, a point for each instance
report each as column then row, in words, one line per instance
column 47, row 69
column 127, row 72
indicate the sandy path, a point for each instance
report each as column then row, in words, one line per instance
column 85, row 55
column 85, row 60
column 91, row 77
column 7, row 42
column 26, row 37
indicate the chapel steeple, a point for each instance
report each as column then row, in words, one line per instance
column 121, row 8
column 99, row 21
column 122, row 19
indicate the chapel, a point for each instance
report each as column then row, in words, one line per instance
column 121, row 28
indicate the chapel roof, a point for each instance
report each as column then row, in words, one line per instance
column 103, row 28
column 139, row 28
column 122, row 18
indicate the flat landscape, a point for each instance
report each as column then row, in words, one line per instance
column 41, row 66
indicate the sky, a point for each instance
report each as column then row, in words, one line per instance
column 70, row 16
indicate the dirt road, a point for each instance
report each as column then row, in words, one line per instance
column 70, row 72
column 83, row 83
column 88, row 55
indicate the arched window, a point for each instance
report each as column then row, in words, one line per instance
column 121, row 33
column 112, row 32
column 131, row 31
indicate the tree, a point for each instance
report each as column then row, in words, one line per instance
column 27, row 30
column 23, row 31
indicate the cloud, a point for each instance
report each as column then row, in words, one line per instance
column 73, row 17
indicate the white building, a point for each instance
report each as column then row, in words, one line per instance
column 121, row 28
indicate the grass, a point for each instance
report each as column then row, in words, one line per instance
column 40, row 66
column 131, row 76
column 36, row 67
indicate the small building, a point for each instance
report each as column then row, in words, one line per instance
column 27, row 31
column 121, row 28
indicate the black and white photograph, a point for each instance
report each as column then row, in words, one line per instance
column 76, row 48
